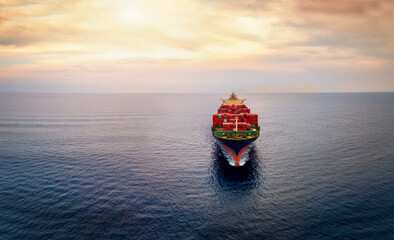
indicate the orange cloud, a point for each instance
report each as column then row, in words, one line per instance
column 184, row 43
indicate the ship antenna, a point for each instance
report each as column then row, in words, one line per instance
column 233, row 96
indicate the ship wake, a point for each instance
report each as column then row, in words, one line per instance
column 242, row 160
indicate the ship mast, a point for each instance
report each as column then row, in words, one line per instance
column 236, row 124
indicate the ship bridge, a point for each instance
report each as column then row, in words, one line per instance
column 233, row 100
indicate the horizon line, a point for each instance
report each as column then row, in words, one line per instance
column 55, row 92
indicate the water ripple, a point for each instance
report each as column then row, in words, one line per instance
column 145, row 166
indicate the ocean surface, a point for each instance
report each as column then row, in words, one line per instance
column 145, row 166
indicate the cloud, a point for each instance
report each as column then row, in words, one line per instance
column 365, row 25
column 190, row 42
column 351, row 7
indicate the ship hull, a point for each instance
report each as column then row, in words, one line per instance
column 235, row 147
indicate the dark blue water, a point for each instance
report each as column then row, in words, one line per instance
column 144, row 166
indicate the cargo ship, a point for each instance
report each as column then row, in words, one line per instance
column 235, row 127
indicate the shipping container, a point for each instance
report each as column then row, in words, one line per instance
column 253, row 118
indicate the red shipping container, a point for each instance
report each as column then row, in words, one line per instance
column 228, row 126
column 242, row 126
column 253, row 118
column 216, row 119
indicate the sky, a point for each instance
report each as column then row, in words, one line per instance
column 185, row 46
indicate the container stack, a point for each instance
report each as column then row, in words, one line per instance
column 229, row 126
column 217, row 120
column 233, row 109
column 229, row 115
column 252, row 118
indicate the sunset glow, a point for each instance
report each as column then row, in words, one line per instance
column 196, row 46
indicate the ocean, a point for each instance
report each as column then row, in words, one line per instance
column 145, row 166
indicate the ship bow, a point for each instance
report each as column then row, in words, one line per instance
column 235, row 147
